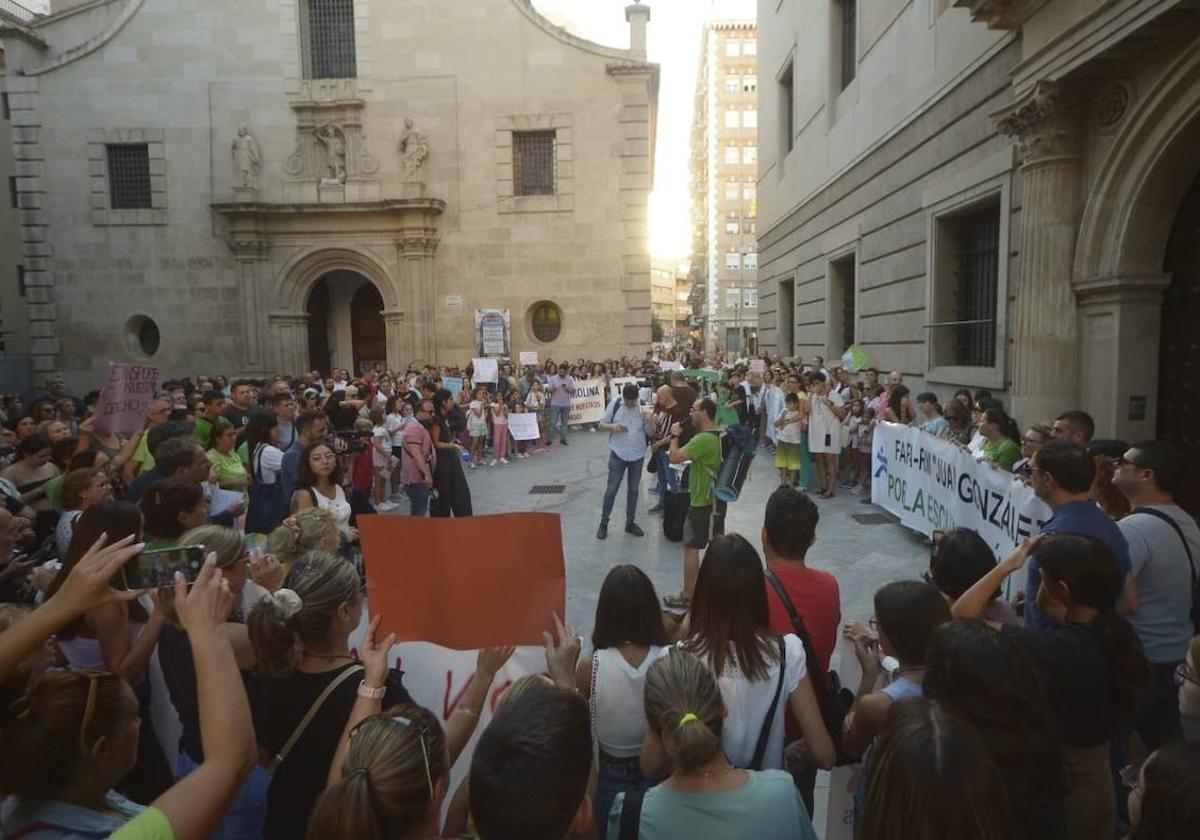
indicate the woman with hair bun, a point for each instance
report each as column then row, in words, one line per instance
column 301, row 640
column 311, row 529
column 705, row 796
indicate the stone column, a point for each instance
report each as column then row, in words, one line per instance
column 419, row 339
column 1045, row 333
column 393, row 324
column 1120, row 322
column 251, row 255
column 289, row 341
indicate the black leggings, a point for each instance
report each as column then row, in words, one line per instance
column 450, row 482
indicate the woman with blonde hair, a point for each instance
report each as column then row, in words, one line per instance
column 310, row 529
column 308, row 682
column 705, row 796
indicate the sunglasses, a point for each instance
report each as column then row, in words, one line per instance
column 407, row 723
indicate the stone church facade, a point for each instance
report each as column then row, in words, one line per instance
column 289, row 184
column 999, row 194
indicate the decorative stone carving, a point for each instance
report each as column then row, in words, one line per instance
column 1044, row 122
column 250, row 249
column 414, row 148
column 422, row 242
column 1111, row 105
column 246, row 159
column 333, row 143
column 1002, row 14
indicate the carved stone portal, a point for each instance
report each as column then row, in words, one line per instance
column 331, row 149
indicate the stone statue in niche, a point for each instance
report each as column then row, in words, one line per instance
column 246, row 159
column 333, row 141
column 414, row 148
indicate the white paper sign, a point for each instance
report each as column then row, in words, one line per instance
column 529, row 357
column 757, row 366
column 588, row 402
column 486, row 370
column 523, row 426
column 615, row 386
column 933, row 485
column 671, row 366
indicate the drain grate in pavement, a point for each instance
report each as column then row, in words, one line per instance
column 547, row 489
column 871, row 518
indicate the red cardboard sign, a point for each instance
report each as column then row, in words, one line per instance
column 470, row 583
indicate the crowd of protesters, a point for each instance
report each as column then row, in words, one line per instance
column 1071, row 711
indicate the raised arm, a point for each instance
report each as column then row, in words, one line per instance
column 975, row 600
column 197, row 803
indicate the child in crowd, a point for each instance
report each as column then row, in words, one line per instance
column 499, row 430
column 852, row 425
column 518, row 407
column 362, row 473
column 866, row 435
column 381, row 455
column 536, row 402
column 787, row 438
column 477, row 425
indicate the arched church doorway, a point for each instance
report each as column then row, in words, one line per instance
column 1179, row 350
column 345, row 323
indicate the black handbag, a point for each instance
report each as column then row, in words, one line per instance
column 825, row 686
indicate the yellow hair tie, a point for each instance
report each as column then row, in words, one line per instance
column 688, row 718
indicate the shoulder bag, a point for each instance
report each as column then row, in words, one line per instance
column 1158, row 514
column 300, row 729
column 760, row 749
column 833, row 710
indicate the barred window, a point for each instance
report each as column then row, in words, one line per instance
column 533, row 162
column 327, row 39
column 128, row 176
column 966, row 287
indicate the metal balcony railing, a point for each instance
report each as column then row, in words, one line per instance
column 15, row 11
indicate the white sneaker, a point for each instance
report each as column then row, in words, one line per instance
column 492, row 462
column 503, row 461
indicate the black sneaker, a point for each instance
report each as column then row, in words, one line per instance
column 602, row 532
column 634, row 529
column 564, row 443
column 656, row 509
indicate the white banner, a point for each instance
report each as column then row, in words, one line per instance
column 523, row 426
column 934, row 485
column 588, row 402
column 529, row 357
column 617, row 385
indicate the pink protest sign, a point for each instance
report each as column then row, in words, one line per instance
column 126, row 395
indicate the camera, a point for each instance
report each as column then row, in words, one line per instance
column 353, row 442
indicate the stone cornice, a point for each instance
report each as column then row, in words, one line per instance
column 1044, row 123
column 1001, row 14
column 559, row 33
column 397, row 206
column 628, row 67
column 1121, row 289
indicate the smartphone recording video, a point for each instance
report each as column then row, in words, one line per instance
column 156, row 569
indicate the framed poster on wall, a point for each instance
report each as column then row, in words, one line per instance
column 493, row 332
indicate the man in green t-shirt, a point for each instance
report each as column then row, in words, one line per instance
column 214, row 410
column 704, row 451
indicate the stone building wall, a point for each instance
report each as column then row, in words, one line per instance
column 225, row 276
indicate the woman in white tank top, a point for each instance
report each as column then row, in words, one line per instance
column 627, row 639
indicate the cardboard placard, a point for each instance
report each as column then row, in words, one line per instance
column 523, row 426
column 127, row 393
column 588, row 402
column 486, row 370
column 529, row 357
column 453, row 384
column 451, row 582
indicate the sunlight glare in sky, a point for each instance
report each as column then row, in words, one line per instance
column 673, row 40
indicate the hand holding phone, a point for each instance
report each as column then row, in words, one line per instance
column 156, row 569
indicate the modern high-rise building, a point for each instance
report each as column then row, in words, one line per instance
column 724, row 191
column 669, row 306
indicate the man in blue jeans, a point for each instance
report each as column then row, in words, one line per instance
column 418, row 459
column 627, row 442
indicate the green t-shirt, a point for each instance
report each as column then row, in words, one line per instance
column 227, row 467
column 203, row 431
column 766, row 807
column 1005, row 453
column 704, row 450
column 54, row 492
column 142, row 455
column 150, row 824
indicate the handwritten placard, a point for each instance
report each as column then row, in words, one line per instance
column 486, row 370
column 529, row 357
column 127, row 393
column 523, row 426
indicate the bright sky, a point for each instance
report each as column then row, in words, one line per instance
column 673, row 40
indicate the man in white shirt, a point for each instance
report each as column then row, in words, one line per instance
column 627, row 444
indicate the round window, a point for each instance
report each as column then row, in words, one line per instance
column 545, row 320
column 142, row 336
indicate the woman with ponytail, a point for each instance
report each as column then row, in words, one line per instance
column 705, row 796
column 1002, row 438
column 1092, row 663
column 301, row 641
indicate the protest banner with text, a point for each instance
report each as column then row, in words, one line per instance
column 588, row 402
column 528, row 357
column 485, row 371
column 453, row 384
column 933, row 485
column 127, row 393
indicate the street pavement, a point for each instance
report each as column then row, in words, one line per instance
column 862, row 553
